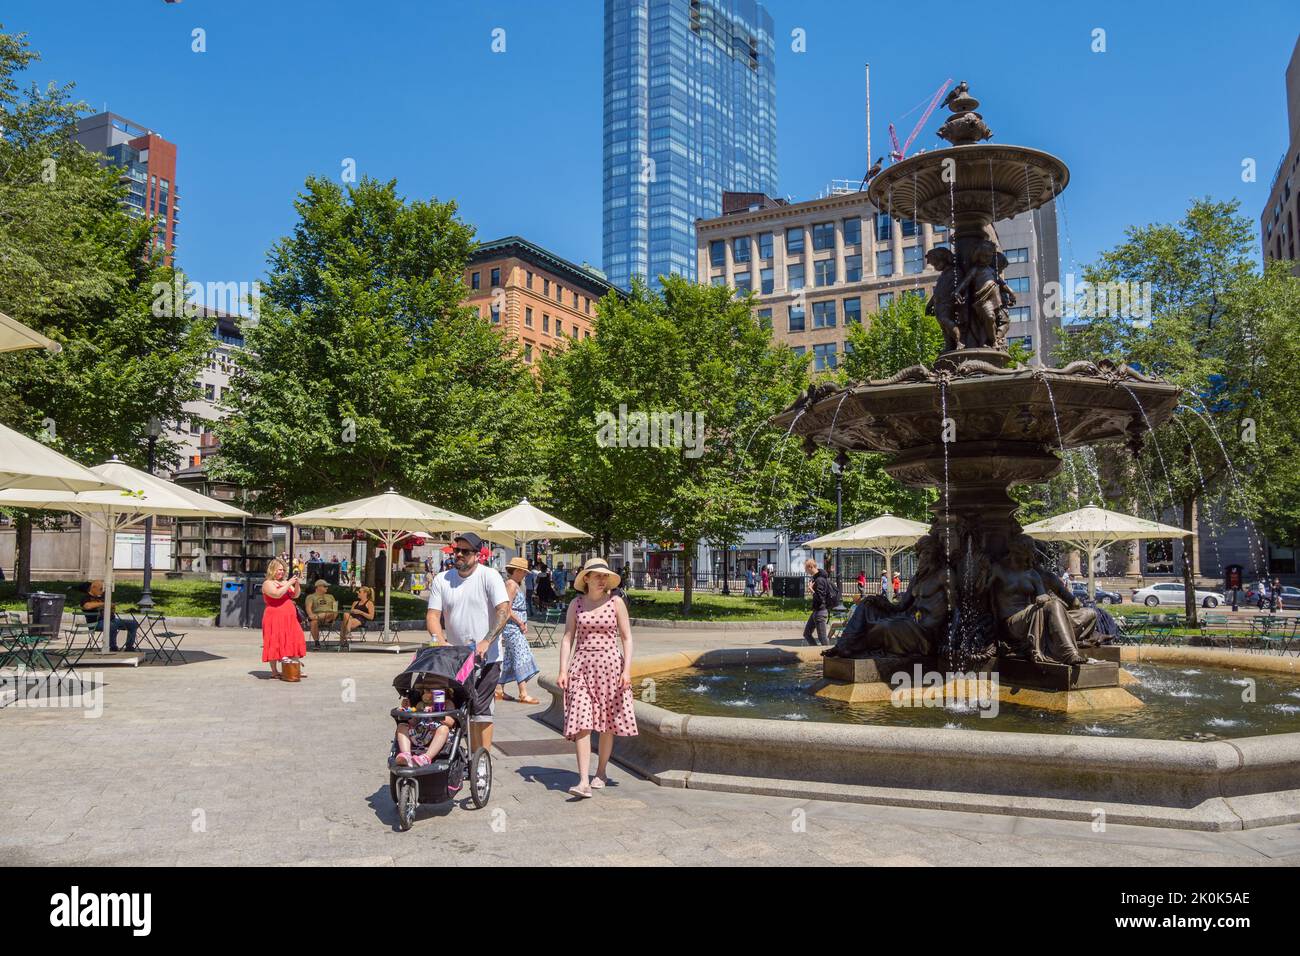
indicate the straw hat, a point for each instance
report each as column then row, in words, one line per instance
column 598, row 565
column 517, row 564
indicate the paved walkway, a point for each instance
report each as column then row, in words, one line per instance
column 211, row 763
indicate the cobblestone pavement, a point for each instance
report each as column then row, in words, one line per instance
column 212, row 763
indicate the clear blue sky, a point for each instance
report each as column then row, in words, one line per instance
column 412, row 90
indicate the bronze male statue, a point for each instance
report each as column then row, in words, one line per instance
column 1043, row 621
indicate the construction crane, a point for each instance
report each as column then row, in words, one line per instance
column 898, row 152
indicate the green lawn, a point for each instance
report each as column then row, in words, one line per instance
column 707, row 606
column 188, row 598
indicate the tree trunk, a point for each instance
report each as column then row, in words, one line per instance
column 23, row 555
column 1189, row 542
column 688, row 582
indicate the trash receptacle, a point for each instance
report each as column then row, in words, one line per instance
column 234, row 603
column 788, row 585
column 255, row 605
column 45, row 611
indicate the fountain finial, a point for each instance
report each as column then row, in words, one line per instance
column 965, row 126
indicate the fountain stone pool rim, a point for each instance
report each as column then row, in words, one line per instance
column 1217, row 785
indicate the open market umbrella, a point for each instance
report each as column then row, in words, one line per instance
column 1091, row 529
column 524, row 522
column 136, row 495
column 15, row 336
column 387, row 518
column 886, row 535
column 27, row 464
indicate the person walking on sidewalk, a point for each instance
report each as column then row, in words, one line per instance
column 822, row 601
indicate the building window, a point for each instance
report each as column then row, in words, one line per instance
column 913, row 262
column 852, row 231
column 911, row 228
column 546, row 322
column 740, row 248
column 475, row 281
column 765, row 245
column 853, row 268
column 559, row 326
column 588, row 304
column 824, row 272
column 794, row 239
column 719, row 280
column 823, row 235
column 852, row 310
column 744, row 281
column 794, row 276
column 1020, row 284
column 885, row 262
column 717, row 253
column 496, row 278
column 1026, row 340
column 824, row 356
column 496, row 315
column 884, row 232
column 528, row 352
column 528, row 317
column 799, row 350
column 1019, row 314
column 529, row 280
column 795, row 313
column 824, row 314
column 1017, row 255
column 559, row 294
column 884, row 299
column 766, row 280
column 546, row 287
column 209, row 392
column 938, row 228
column 765, row 318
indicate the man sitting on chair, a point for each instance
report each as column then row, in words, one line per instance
column 321, row 608
column 93, row 605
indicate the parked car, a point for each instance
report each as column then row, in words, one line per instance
column 1156, row 594
column 1103, row 596
column 1255, row 594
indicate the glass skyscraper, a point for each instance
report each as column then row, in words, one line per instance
column 690, row 111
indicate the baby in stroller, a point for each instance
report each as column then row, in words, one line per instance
column 420, row 741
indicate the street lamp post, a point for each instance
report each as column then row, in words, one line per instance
column 841, row 462
column 146, row 596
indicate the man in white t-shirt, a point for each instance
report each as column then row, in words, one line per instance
column 468, row 605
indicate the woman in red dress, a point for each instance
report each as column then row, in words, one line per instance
column 281, row 635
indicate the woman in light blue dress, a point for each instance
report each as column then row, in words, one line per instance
column 517, row 663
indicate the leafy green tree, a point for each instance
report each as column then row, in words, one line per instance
column 77, row 267
column 692, row 351
column 1217, row 328
column 364, row 370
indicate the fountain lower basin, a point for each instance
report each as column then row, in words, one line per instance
column 1241, row 783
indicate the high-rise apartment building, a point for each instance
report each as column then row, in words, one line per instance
column 819, row 266
column 148, row 164
column 1281, row 214
column 690, row 112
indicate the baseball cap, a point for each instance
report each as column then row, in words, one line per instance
column 470, row 538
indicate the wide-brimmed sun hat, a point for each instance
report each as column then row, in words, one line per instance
column 598, row 566
column 517, row 564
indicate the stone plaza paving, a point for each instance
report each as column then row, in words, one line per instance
column 211, row 763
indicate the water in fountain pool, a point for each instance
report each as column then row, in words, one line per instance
column 1180, row 702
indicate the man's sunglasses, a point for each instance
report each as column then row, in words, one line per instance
column 466, row 550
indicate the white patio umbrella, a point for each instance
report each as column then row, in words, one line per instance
column 886, row 535
column 136, row 495
column 26, row 463
column 15, row 336
column 524, row 522
column 1091, row 529
column 387, row 518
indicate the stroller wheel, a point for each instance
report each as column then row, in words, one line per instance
column 480, row 778
column 408, row 799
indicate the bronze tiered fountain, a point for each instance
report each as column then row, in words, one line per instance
column 973, row 425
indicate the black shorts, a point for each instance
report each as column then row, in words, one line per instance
column 483, row 699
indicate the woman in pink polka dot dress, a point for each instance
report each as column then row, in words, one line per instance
column 596, row 672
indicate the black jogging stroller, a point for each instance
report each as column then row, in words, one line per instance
column 453, row 670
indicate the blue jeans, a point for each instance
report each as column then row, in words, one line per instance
column 118, row 624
